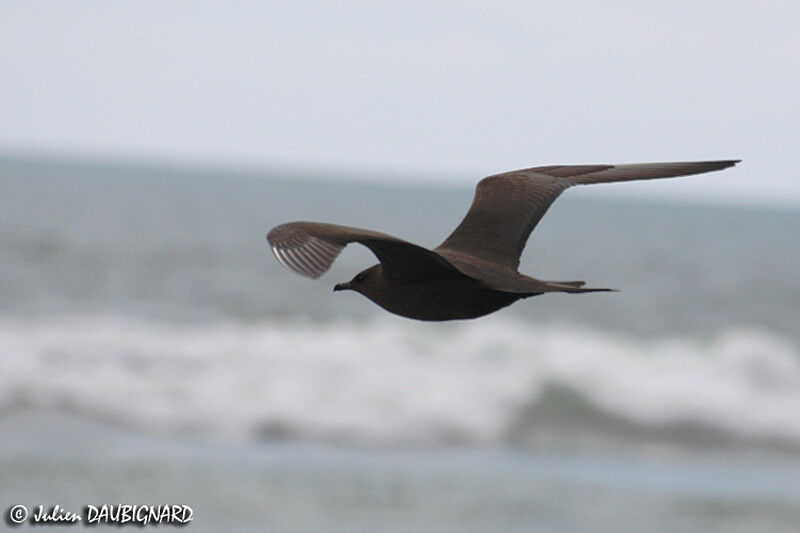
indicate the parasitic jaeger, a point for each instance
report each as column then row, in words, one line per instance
column 474, row 271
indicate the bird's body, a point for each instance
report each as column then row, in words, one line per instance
column 450, row 297
column 474, row 271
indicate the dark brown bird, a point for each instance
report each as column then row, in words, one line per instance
column 474, row 271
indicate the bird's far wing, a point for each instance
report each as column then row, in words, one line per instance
column 508, row 206
column 309, row 248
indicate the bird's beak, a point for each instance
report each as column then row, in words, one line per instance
column 341, row 286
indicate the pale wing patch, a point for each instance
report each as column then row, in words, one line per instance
column 305, row 254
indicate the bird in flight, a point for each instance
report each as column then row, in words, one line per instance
column 474, row 271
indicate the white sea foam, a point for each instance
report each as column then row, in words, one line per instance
column 393, row 381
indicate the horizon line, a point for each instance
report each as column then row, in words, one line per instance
column 319, row 173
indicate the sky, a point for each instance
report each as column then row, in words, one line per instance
column 444, row 92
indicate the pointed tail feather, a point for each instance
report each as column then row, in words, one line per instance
column 574, row 287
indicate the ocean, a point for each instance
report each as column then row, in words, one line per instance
column 154, row 351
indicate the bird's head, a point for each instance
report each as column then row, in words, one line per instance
column 363, row 282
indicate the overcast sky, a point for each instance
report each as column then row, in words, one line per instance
column 439, row 90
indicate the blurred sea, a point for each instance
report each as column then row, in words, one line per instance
column 153, row 349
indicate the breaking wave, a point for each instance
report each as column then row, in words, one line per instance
column 392, row 382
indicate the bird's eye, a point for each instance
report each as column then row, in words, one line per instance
column 360, row 277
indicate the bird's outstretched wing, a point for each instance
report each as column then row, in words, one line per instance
column 508, row 206
column 309, row 248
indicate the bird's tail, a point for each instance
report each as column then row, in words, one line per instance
column 573, row 287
